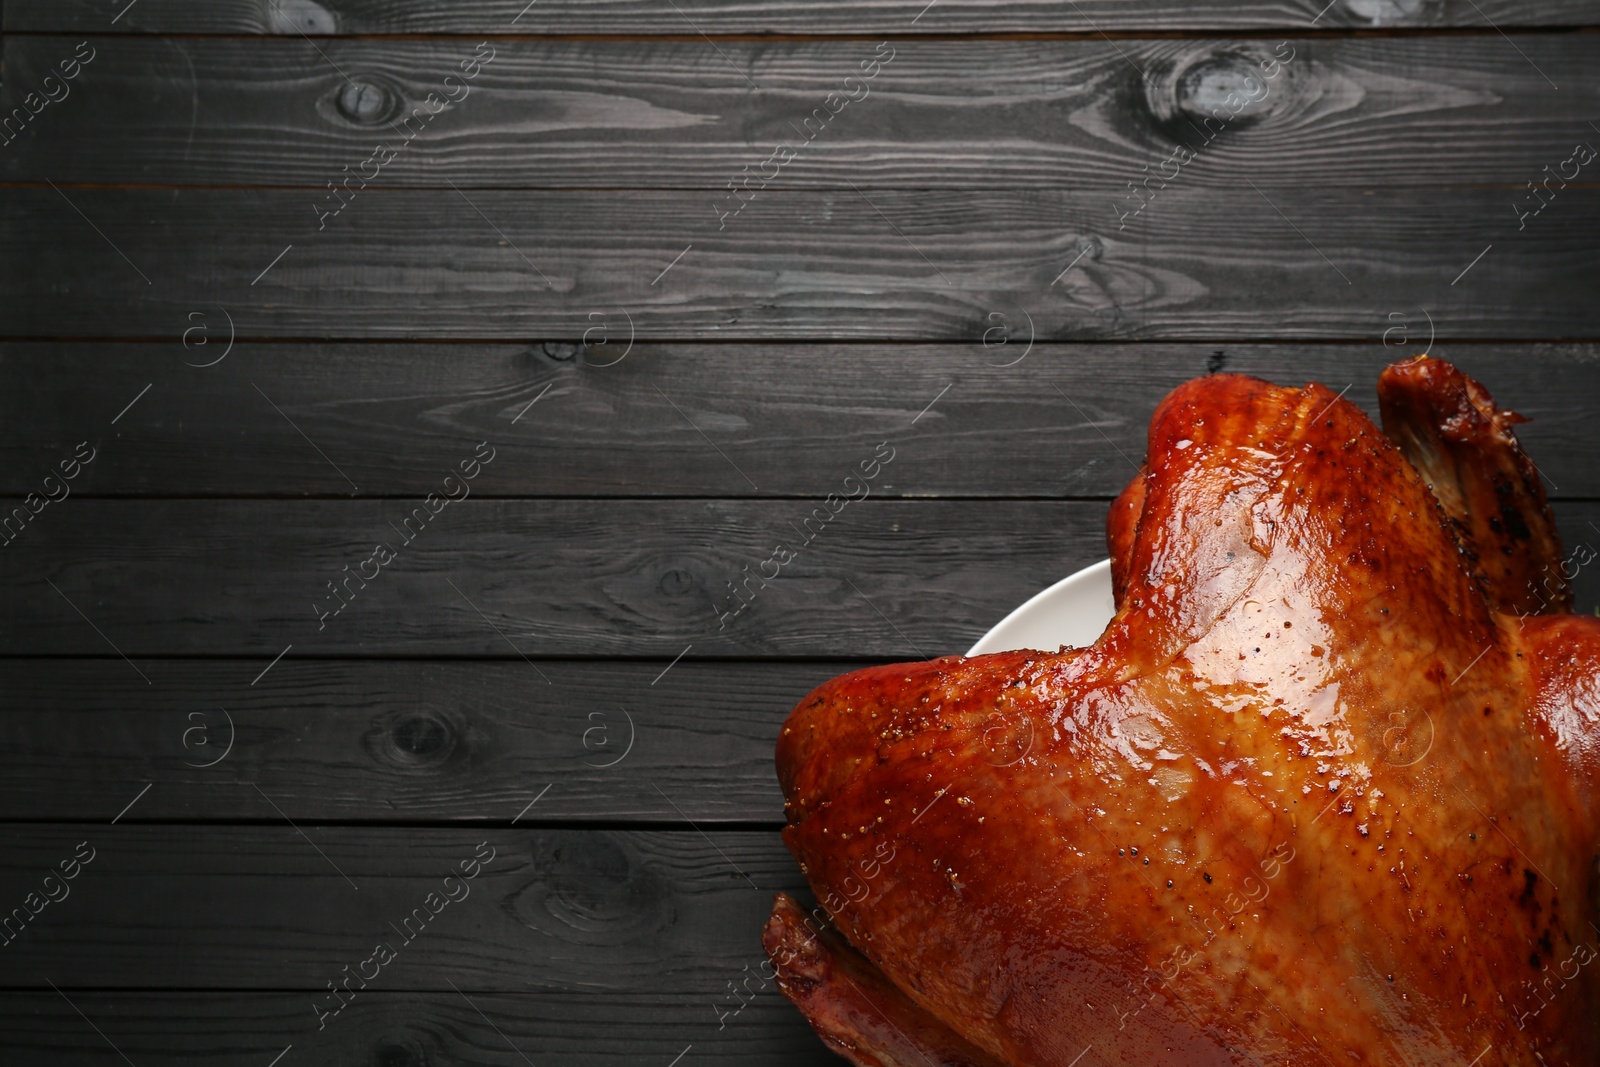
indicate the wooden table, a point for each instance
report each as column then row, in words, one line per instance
column 638, row 285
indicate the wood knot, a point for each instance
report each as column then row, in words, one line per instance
column 1200, row 92
column 421, row 737
column 562, row 350
column 1087, row 249
column 677, row 582
column 593, row 890
column 390, row 1054
column 298, row 16
column 412, row 741
column 369, row 101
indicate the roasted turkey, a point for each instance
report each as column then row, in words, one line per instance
column 1324, row 791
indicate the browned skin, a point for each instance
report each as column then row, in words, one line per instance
column 857, row 1011
column 1463, row 446
column 1122, row 527
column 1309, row 798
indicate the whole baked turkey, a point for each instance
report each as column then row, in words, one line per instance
column 1324, row 791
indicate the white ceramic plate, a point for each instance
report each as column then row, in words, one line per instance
column 1074, row 611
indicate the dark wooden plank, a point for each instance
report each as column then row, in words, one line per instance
column 1387, row 111
column 1198, row 264
column 409, row 1030
column 795, row 416
column 883, row 579
column 265, row 907
column 478, row 17
column 558, row 577
column 385, row 741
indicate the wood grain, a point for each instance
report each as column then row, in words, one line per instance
column 480, row 17
column 552, row 666
column 870, row 264
column 883, row 579
column 410, row 1029
column 395, row 741
column 551, row 578
column 797, row 417
column 286, row 908
column 1387, row 111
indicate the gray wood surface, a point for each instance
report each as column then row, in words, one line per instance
column 550, row 577
column 410, row 1029
column 1424, row 111
column 795, row 417
column 382, row 741
column 872, row 264
column 886, row 579
column 554, row 666
column 287, row 907
column 811, row 18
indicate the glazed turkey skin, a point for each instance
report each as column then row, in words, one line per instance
column 1323, row 791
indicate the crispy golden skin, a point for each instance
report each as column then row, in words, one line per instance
column 1323, row 791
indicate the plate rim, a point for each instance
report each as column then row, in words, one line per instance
column 1093, row 570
